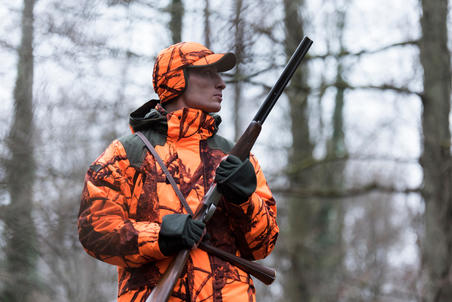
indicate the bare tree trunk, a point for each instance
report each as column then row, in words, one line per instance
column 297, row 277
column 239, row 50
column 176, row 9
column 298, row 89
column 207, row 23
column 436, row 157
column 331, row 213
column 314, row 243
column 20, row 233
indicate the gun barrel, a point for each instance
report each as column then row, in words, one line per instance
column 283, row 80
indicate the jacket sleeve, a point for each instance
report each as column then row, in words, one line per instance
column 254, row 222
column 106, row 230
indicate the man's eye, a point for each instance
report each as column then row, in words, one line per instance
column 207, row 73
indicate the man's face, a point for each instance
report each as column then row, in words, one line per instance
column 204, row 89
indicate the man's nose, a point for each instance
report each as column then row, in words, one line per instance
column 219, row 83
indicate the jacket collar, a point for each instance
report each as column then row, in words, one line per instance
column 183, row 123
column 188, row 122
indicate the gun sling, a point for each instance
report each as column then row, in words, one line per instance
column 203, row 245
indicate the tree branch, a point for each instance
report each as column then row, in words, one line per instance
column 2, row 211
column 7, row 46
column 312, row 162
column 383, row 87
column 346, row 53
column 403, row 90
column 350, row 192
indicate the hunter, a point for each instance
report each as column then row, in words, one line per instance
column 130, row 215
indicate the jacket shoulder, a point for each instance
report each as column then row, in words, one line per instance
column 135, row 148
column 220, row 143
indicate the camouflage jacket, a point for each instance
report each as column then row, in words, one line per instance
column 126, row 194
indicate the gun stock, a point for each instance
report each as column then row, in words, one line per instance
column 161, row 293
column 245, row 143
column 166, row 285
column 242, row 150
column 265, row 274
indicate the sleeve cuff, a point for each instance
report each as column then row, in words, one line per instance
column 148, row 234
column 241, row 209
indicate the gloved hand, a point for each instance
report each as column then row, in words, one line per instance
column 179, row 231
column 236, row 180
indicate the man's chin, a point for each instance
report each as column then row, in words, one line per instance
column 212, row 109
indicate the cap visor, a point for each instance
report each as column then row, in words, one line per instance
column 223, row 61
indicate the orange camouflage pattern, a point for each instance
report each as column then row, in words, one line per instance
column 122, row 208
column 168, row 74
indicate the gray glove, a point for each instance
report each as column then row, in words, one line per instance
column 179, row 231
column 236, row 179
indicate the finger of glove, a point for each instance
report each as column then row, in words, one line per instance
column 189, row 243
column 173, row 233
column 195, row 229
column 239, row 186
column 227, row 167
column 232, row 160
column 244, row 178
column 198, row 226
column 244, row 170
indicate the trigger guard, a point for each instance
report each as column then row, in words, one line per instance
column 209, row 213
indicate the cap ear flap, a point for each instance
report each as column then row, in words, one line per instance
column 172, row 85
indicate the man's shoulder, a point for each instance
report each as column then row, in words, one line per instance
column 220, row 143
column 135, row 148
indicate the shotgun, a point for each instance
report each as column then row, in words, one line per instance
column 265, row 274
column 241, row 149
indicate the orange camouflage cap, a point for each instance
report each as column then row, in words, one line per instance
column 169, row 69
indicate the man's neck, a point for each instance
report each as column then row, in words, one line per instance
column 173, row 105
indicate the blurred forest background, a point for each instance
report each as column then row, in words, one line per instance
column 357, row 150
